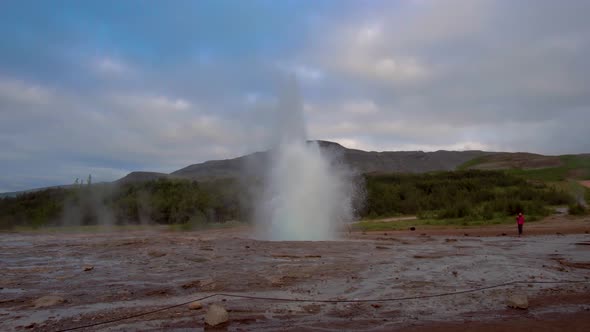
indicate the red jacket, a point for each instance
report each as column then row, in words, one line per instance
column 520, row 220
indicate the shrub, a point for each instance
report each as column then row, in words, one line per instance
column 577, row 209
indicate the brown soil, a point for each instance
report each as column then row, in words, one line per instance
column 140, row 271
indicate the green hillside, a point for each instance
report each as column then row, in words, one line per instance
column 535, row 167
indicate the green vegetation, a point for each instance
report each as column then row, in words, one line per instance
column 178, row 202
column 33, row 209
column 471, row 163
column 469, row 195
column 573, row 167
column 189, row 203
column 578, row 209
column 465, row 198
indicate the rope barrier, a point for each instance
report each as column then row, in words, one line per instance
column 251, row 297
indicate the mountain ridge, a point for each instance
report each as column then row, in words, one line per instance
column 358, row 160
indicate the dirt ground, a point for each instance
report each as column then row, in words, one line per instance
column 423, row 273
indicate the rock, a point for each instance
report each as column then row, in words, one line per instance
column 156, row 254
column 216, row 315
column 412, row 228
column 275, row 280
column 192, row 284
column 48, row 301
column 195, row 305
column 207, row 284
column 88, row 268
column 518, row 301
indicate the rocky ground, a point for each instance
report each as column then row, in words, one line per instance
column 53, row 282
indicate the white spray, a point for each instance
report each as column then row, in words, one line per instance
column 307, row 195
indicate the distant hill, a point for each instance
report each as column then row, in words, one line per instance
column 535, row 166
column 16, row 193
column 358, row 160
column 507, row 160
column 143, row 176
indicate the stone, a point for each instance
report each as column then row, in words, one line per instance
column 192, row 284
column 518, row 301
column 48, row 301
column 195, row 305
column 156, row 254
column 216, row 315
column 207, row 284
column 88, row 268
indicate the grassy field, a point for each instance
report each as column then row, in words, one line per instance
column 374, row 225
column 473, row 162
column 573, row 167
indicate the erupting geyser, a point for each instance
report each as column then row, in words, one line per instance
column 307, row 194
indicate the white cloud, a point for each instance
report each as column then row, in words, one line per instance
column 304, row 73
column 24, row 93
column 362, row 52
column 150, row 103
column 419, row 75
column 111, row 67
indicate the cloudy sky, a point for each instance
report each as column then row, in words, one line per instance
column 108, row 87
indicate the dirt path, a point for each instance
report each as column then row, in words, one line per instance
column 395, row 219
column 99, row 277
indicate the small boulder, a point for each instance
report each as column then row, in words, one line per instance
column 195, row 305
column 156, row 254
column 88, row 268
column 216, row 315
column 518, row 301
column 48, row 301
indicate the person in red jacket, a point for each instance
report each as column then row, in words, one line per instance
column 520, row 223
